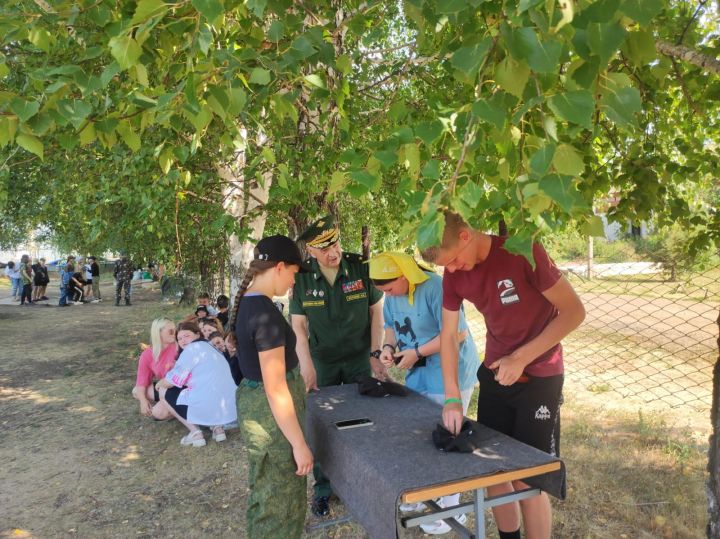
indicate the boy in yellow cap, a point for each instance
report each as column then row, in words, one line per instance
column 412, row 312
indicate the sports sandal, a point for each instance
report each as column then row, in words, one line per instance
column 218, row 434
column 194, row 438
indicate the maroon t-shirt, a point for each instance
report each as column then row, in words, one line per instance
column 508, row 292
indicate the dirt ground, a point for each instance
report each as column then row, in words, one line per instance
column 79, row 461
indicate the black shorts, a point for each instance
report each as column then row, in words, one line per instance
column 527, row 411
column 171, row 397
column 88, row 281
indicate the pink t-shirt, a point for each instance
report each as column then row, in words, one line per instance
column 508, row 292
column 148, row 368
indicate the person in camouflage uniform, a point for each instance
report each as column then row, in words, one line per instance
column 123, row 276
column 271, row 396
column 278, row 497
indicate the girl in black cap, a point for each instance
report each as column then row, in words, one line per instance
column 271, row 396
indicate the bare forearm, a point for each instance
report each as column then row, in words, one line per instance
column 376, row 327
column 449, row 347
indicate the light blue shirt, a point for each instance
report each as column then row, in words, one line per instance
column 420, row 323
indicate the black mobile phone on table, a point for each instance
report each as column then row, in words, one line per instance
column 353, row 423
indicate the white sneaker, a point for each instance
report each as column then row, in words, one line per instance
column 412, row 507
column 440, row 527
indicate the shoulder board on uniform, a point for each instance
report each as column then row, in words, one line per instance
column 354, row 258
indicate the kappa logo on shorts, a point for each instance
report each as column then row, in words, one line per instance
column 542, row 413
column 508, row 295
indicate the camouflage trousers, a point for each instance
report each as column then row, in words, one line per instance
column 119, row 288
column 278, row 498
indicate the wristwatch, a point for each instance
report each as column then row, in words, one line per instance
column 375, row 354
column 420, row 358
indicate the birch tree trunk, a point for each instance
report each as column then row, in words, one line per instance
column 244, row 200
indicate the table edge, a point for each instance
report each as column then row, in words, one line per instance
column 462, row 485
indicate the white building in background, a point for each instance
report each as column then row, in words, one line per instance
column 618, row 231
column 35, row 250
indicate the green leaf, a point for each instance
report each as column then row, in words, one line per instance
column 431, row 229
column 24, row 109
column 576, row 107
column 411, row 161
column 643, row 11
column 542, row 158
column 621, row 105
column 30, row 143
column 125, row 50
column 8, row 128
column 471, row 193
column 386, row 158
column 276, row 31
column 563, row 192
column 257, row 7
column 545, row 57
column 586, row 74
column 337, row 182
column 40, row 38
column 166, row 159
column 363, row 177
column 4, row 70
column 451, row 6
column 259, row 76
column 75, row 111
column 237, row 98
column 431, row 170
column 211, row 9
column 314, row 80
column 147, row 9
column 344, row 64
column 129, row 136
column 605, row 39
column 404, row 135
column 524, row 5
column 521, row 244
column 302, row 48
column 490, row 113
column 512, row 76
column 568, row 161
column 593, row 226
column 469, row 59
column 428, row 132
column 640, row 47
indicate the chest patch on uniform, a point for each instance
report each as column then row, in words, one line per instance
column 314, row 303
column 353, row 297
column 508, row 294
column 353, row 286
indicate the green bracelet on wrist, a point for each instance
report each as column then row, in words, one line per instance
column 453, row 400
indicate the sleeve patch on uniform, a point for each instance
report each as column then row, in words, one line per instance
column 359, row 295
column 353, row 286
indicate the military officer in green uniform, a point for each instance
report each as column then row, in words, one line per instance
column 336, row 314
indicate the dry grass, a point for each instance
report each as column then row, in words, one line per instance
column 78, row 460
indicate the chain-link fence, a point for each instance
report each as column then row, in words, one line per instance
column 644, row 336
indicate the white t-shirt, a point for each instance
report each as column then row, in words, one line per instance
column 210, row 392
column 88, row 272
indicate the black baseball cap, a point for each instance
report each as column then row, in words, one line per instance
column 280, row 248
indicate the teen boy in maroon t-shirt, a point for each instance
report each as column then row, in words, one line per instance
column 527, row 312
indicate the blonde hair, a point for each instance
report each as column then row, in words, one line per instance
column 155, row 339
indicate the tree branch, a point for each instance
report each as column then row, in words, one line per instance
column 686, row 54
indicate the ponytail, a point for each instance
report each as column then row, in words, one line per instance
column 255, row 267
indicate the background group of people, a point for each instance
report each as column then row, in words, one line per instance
column 340, row 331
column 28, row 281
